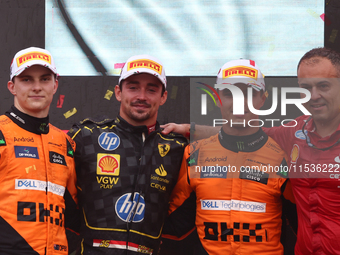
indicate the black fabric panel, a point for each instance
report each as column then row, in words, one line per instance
column 11, row 243
column 182, row 220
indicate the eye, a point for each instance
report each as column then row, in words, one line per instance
column 25, row 80
column 46, row 78
column 132, row 87
column 305, row 86
column 323, row 86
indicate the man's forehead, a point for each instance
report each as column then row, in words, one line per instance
column 317, row 67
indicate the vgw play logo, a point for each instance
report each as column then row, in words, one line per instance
column 239, row 102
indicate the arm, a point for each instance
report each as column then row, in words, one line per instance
column 192, row 131
column 182, row 210
column 281, row 135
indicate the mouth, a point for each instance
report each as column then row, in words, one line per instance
column 317, row 106
column 140, row 106
column 36, row 97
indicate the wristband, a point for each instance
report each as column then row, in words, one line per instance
column 192, row 127
column 191, row 130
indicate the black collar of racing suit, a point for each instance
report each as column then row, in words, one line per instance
column 27, row 122
column 134, row 129
column 248, row 143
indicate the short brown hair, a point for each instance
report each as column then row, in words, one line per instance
column 322, row 52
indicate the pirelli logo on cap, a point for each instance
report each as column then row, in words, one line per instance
column 240, row 70
column 145, row 63
column 35, row 55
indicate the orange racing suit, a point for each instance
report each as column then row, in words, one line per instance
column 236, row 194
column 37, row 177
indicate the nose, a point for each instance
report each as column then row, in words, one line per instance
column 36, row 86
column 142, row 94
column 315, row 94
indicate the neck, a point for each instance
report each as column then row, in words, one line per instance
column 38, row 114
column 326, row 128
column 27, row 122
column 147, row 122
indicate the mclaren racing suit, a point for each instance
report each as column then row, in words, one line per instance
column 36, row 175
column 235, row 183
column 125, row 177
column 315, row 175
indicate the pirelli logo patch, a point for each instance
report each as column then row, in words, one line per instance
column 240, row 71
column 35, row 55
column 144, row 63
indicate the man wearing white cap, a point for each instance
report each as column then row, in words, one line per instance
column 313, row 145
column 37, row 172
column 238, row 202
column 126, row 169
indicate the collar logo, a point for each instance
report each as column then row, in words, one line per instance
column 240, row 146
column 163, row 149
column 144, row 63
column 35, row 55
column 240, row 71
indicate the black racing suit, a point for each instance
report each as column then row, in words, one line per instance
column 125, row 178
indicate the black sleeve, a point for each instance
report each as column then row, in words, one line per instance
column 182, row 220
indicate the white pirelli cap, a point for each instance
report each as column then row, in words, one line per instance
column 143, row 64
column 241, row 71
column 29, row 57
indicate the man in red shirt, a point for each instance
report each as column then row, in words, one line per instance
column 314, row 150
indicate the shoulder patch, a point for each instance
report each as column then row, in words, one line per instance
column 2, row 139
column 193, row 158
column 283, row 172
column 70, row 151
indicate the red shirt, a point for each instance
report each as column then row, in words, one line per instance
column 315, row 176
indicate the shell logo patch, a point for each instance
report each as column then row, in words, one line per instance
column 294, row 155
column 108, row 164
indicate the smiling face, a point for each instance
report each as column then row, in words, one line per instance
column 321, row 78
column 227, row 111
column 140, row 97
column 33, row 90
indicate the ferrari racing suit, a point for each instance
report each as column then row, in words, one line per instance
column 125, row 178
